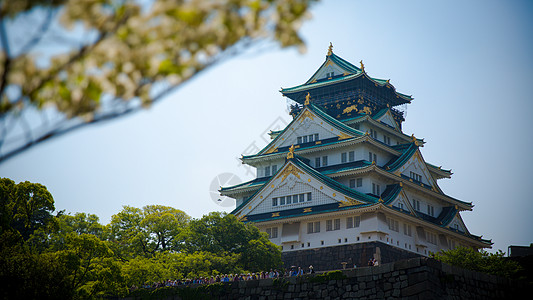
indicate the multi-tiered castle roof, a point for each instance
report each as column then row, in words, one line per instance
column 345, row 163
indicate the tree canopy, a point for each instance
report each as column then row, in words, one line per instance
column 43, row 255
column 481, row 261
column 112, row 57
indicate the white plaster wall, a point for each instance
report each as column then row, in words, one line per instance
column 366, row 232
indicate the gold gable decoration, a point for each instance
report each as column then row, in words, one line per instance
column 307, row 99
column 349, row 202
column 343, row 136
column 330, row 49
column 290, row 169
column 290, row 154
column 307, row 114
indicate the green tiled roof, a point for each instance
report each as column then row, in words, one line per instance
column 329, row 119
column 322, row 178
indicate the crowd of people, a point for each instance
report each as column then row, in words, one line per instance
column 293, row 271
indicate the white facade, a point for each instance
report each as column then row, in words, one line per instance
column 354, row 182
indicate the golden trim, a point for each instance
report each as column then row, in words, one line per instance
column 309, row 209
column 330, row 49
column 307, row 99
column 272, row 150
column 349, row 109
column 349, row 202
column 290, row 154
column 334, row 195
column 318, row 142
column 343, row 136
column 306, row 114
column 309, row 180
column 290, row 169
column 276, row 214
column 362, row 66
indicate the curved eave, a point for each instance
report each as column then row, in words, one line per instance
column 374, row 168
column 400, row 161
column 462, row 235
column 383, row 126
column 294, row 92
column 323, row 115
column 331, row 183
column 439, row 172
column 251, row 159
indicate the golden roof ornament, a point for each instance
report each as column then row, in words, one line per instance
column 330, row 49
column 290, row 154
column 307, row 99
column 362, row 66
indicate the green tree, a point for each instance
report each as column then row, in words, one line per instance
column 223, row 234
column 130, row 50
column 25, row 208
column 155, row 228
column 481, row 261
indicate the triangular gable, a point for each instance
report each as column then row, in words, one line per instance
column 388, row 119
column 296, row 178
column 310, row 121
column 335, row 65
column 458, row 224
column 416, row 164
column 404, row 200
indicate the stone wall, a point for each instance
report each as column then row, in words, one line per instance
column 416, row 278
column 330, row 258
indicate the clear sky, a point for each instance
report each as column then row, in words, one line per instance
column 468, row 64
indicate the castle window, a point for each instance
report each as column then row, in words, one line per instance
column 393, row 225
column 281, row 200
column 337, row 224
column 344, row 157
column 415, row 176
column 432, row 238
column 407, row 229
column 386, row 140
column 274, row 169
column 289, row 200
column 373, row 133
column 351, row 156
column 304, row 139
column 272, row 232
column 352, row 183
column 295, row 199
column 317, row 162
column 431, row 210
column 333, row 225
column 372, row 157
column 352, row 222
column 316, row 136
column 359, row 182
column 299, row 140
column 400, row 205
column 376, row 189
column 274, row 201
column 416, row 204
column 309, row 197
column 324, row 161
column 313, row 227
column 301, row 198
column 267, row 171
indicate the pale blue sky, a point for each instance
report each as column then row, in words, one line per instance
column 467, row 64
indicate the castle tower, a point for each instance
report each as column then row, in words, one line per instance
column 342, row 183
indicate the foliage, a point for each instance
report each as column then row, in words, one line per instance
column 73, row 256
column 481, row 261
column 147, row 231
column 25, row 208
column 223, row 233
column 130, row 51
column 325, row 277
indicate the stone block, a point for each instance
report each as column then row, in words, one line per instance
column 266, row 282
column 414, row 289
